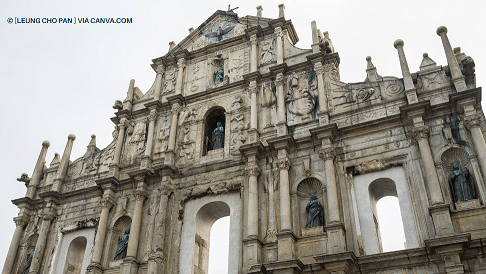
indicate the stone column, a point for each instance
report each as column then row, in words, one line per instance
column 63, row 166
column 150, row 134
column 320, row 87
column 20, row 222
column 127, row 103
column 254, row 108
column 119, row 142
column 284, row 190
column 41, row 241
column 328, row 155
column 158, row 82
column 457, row 77
column 132, row 249
column 279, row 45
column 281, row 9
column 181, row 64
column 36, row 175
column 253, row 172
column 106, row 204
column 473, row 123
column 410, row 90
column 315, row 38
column 421, row 135
column 281, row 116
column 254, row 53
column 259, row 11
column 156, row 258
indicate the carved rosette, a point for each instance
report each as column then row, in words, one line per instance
column 279, row 79
column 175, row 109
column 283, row 163
column 328, row 154
column 253, row 40
column 253, row 87
column 419, row 133
column 20, row 221
column 472, row 121
column 252, row 169
column 106, row 202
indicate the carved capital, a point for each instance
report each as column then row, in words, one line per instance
column 165, row 189
column 252, row 169
column 153, row 115
column 176, row 108
column 253, row 39
column 328, row 154
column 318, row 68
column 472, row 121
column 419, row 133
column 140, row 195
column 20, row 221
column 48, row 216
column 181, row 63
column 278, row 32
column 106, row 202
column 123, row 122
column 160, row 69
column 283, row 163
column 279, row 79
column 253, row 87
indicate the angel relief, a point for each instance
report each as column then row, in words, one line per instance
column 220, row 32
column 135, row 143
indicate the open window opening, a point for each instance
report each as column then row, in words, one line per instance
column 205, row 220
column 214, row 130
column 387, row 217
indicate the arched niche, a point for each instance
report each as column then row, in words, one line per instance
column 75, row 255
column 119, row 227
column 27, row 247
column 211, row 119
column 305, row 188
column 371, row 187
column 462, row 158
column 199, row 216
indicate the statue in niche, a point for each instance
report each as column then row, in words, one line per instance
column 218, row 76
column 218, row 136
column 462, row 184
column 315, row 210
column 28, row 262
column 121, row 250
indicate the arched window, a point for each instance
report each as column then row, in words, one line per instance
column 75, row 256
column 393, row 231
column 213, row 136
column 205, row 218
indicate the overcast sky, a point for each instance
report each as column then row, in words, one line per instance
column 58, row 79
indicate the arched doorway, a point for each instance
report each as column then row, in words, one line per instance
column 75, row 256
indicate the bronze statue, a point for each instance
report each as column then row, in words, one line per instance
column 218, row 76
column 462, row 184
column 28, row 262
column 315, row 210
column 218, row 136
column 121, row 250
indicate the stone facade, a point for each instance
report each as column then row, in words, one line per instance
column 291, row 129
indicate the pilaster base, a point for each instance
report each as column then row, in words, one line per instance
column 169, row 158
column 442, row 220
column 339, row 263
column 282, row 129
column 294, row 266
column 253, row 135
column 129, row 266
column 450, row 250
column 337, row 240
column 286, row 245
column 253, row 253
column 94, row 268
column 323, row 118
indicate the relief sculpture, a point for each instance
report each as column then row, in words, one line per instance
column 269, row 99
column 135, row 144
column 266, row 55
column 302, row 98
column 185, row 153
column 162, row 138
column 238, row 133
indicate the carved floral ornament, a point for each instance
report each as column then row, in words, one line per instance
column 253, row 39
column 21, row 221
column 181, row 63
column 140, row 195
column 419, row 133
column 106, row 202
column 153, row 115
column 160, row 69
column 283, row 163
column 328, row 154
column 279, row 79
column 472, row 121
column 252, row 169
column 318, row 68
column 123, row 122
column 176, row 108
column 164, row 189
column 278, row 32
column 253, row 87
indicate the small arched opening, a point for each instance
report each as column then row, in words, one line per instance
column 75, row 256
column 121, row 224
column 213, row 134
column 311, row 216
column 387, row 217
column 205, row 218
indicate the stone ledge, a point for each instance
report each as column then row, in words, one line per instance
column 294, row 264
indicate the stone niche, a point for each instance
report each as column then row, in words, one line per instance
column 75, row 251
